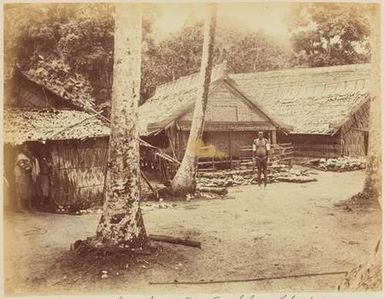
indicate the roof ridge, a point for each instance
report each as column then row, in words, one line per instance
column 309, row 69
column 217, row 72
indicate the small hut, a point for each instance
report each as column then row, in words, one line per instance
column 76, row 141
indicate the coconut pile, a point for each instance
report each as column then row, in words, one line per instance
column 338, row 164
column 276, row 173
column 57, row 77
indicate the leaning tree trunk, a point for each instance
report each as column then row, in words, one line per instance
column 184, row 180
column 368, row 275
column 121, row 221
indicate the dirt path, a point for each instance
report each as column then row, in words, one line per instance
column 281, row 230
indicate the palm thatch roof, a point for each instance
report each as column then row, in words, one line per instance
column 312, row 100
column 21, row 125
column 309, row 100
column 73, row 90
column 171, row 100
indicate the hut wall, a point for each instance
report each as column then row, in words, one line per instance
column 350, row 140
column 313, row 145
column 224, row 105
column 230, row 123
column 78, row 171
column 224, row 142
column 354, row 134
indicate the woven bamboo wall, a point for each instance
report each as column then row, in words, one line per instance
column 78, row 171
column 354, row 142
column 313, row 145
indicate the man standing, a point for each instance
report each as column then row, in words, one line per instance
column 261, row 148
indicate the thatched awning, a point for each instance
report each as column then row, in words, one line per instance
column 21, row 125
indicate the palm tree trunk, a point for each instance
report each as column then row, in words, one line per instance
column 121, row 221
column 184, row 180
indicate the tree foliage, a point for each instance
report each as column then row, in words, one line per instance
column 324, row 34
column 78, row 37
column 81, row 37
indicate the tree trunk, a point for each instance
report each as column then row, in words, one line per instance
column 372, row 185
column 368, row 275
column 121, row 221
column 184, row 180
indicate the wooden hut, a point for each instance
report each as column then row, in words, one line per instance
column 76, row 141
column 327, row 107
column 232, row 118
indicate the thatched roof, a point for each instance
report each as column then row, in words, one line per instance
column 310, row 101
column 21, row 125
column 74, row 90
column 171, row 100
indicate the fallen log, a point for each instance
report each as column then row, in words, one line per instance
column 296, row 179
column 174, row 240
column 216, row 190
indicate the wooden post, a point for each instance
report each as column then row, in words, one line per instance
column 178, row 146
column 274, row 137
column 230, row 152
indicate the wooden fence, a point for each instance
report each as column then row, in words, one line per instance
column 281, row 153
column 153, row 159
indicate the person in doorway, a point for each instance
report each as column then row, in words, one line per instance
column 261, row 149
column 23, row 171
column 43, row 182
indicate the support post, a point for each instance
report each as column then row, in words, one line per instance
column 274, row 137
column 230, row 151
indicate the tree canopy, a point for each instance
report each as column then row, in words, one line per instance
column 79, row 40
column 324, row 34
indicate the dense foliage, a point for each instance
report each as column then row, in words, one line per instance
column 324, row 34
column 79, row 39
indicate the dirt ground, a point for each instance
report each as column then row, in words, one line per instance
column 282, row 230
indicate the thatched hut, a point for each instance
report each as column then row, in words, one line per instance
column 76, row 141
column 323, row 111
column 327, row 107
column 232, row 119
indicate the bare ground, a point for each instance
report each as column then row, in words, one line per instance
column 282, row 230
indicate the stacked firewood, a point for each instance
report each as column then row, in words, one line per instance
column 338, row 164
column 276, row 173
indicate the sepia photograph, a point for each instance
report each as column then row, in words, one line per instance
column 191, row 148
